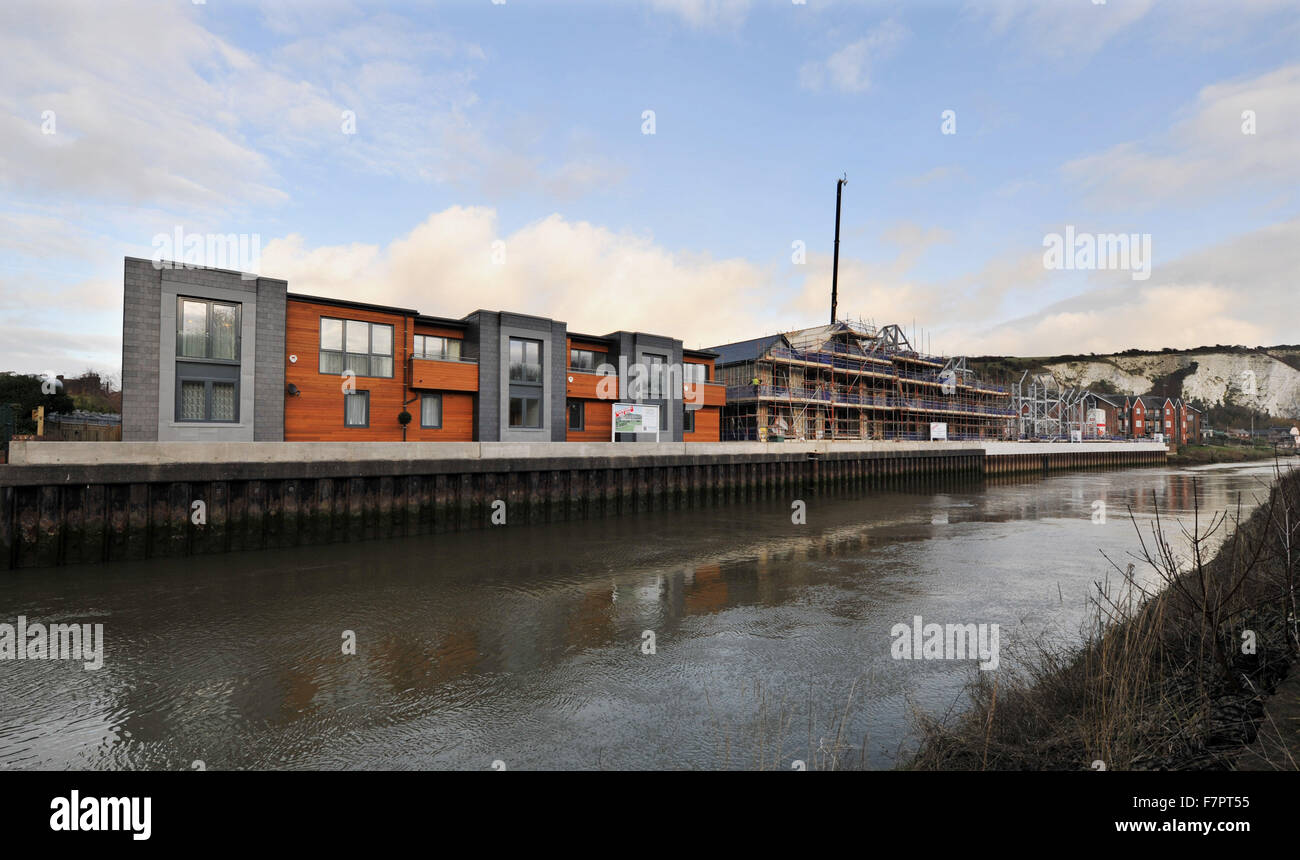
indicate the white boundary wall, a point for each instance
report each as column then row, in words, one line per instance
column 160, row 453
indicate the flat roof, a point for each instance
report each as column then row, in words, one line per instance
column 597, row 337
column 171, row 265
column 428, row 319
column 346, row 303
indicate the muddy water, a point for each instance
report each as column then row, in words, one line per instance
column 528, row 646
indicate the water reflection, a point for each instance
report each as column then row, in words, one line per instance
column 525, row 644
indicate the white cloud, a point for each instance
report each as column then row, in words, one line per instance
column 151, row 108
column 1060, row 28
column 138, row 94
column 849, row 69
column 1206, row 154
column 1230, row 293
column 595, row 279
column 706, row 14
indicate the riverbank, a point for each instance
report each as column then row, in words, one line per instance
column 84, row 502
column 1175, row 680
column 1201, row 455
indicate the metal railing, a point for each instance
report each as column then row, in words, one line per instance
column 448, row 358
column 747, row 392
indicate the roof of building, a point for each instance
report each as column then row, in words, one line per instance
column 346, row 303
column 180, row 265
column 441, row 321
column 747, row 350
column 816, row 336
column 595, row 338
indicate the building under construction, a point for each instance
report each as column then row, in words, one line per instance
column 852, row 380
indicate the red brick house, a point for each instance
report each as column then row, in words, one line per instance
column 1143, row 416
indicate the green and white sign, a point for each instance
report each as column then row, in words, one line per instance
column 636, row 418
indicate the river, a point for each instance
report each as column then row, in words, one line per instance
column 727, row 637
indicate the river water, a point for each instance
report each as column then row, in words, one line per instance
column 531, row 647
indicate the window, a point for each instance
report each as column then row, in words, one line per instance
column 207, row 330
column 442, row 348
column 207, row 366
column 583, row 359
column 526, row 410
column 577, row 415
column 655, row 366
column 207, row 392
column 364, row 348
column 695, row 373
column 431, row 411
column 688, row 423
column 525, row 383
column 356, row 409
column 525, row 360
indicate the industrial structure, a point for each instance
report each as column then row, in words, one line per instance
column 852, row 380
column 1048, row 410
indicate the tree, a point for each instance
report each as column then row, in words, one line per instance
column 24, row 392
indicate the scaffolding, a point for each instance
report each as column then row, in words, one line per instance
column 850, row 380
column 1047, row 410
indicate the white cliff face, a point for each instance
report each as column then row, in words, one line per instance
column 1254, row 379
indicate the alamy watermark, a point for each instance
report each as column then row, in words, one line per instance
column 130, row 814
column 1120, row 251
column 919, row 641
column 654, row 381
column 241, row 252
column 37, row 641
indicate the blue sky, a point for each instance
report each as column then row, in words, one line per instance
column 521, row 123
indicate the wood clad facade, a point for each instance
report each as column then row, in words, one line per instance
column 581, row 386
column 711, row 397
column 316, row 412
column 598, row 414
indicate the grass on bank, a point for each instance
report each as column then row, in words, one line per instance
column 1199, row 455
column 1164, row 679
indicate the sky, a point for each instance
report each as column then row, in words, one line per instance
column 666, row 166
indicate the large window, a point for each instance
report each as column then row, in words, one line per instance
column 695, row 372
column 655, row 379
column 207, row 366
column 429, row 346
column 356, row 409
column 584, row 359
column 525, row 360
column 431, row 411
column 364, row 348
column 577, row 416
column 525, row 383
column 207, row 330
column 688, row 422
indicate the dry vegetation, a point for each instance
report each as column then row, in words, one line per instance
column 1164, row 679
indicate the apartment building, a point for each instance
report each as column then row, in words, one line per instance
column 216, row 355
column 1143, row 416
